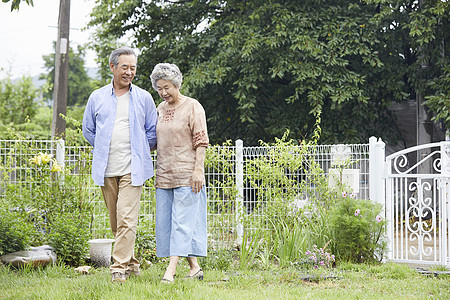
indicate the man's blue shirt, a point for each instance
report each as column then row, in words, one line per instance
column 98, row 124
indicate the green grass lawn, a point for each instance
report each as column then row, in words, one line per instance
column 347, row 281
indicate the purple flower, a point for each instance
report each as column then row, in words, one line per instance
column 352, row 195
column 378, row 218
column 357, row 212
column 344, row 194
column 308, row 252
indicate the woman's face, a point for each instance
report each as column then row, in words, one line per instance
column 168, row 91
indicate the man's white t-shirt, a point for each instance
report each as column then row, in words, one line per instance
column 119, row 160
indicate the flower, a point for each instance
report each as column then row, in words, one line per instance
column 357, row 212
column 46, row 158
column 352, row 195
column 319, row 257
column 41, row 158
column 378, row 218
column 37, row 160
column 344, row 194
column 56, row 167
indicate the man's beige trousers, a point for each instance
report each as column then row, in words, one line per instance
column 123, row 202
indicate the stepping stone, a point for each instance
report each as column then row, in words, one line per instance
column 37, row 257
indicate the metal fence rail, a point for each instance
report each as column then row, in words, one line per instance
column 230, row 187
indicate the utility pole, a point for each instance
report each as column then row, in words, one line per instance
column 61, row 71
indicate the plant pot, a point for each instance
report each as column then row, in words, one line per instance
column 100, row 252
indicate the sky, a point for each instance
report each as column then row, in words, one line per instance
column 28, row 34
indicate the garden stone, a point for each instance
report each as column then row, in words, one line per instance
column 42, row 248
column 432, row 273
column 83, row 269
column 35, row 257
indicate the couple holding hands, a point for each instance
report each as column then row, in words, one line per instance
column 123, row 125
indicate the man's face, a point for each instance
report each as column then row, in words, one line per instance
column 124, row 71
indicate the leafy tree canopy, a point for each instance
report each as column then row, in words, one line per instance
column 16, row 3
column 423, row 28
column 260, row 66
column 17, row 100
column 79, row 83
column 18, row 105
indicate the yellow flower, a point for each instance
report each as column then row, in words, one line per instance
column 37, row 160
column 56, row 167
column 46, row 158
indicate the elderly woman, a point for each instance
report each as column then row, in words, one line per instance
column 180, row 181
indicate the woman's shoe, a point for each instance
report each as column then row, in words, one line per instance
column 198, row 275
column 165, row 280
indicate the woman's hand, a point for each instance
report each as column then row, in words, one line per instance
column 197, row 181
column 198, row 175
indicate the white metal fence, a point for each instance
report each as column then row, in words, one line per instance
column 416, row 200
column 229, row 188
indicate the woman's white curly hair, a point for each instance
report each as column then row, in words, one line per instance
column 168, row 72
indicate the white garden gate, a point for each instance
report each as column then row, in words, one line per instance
column 415, row 185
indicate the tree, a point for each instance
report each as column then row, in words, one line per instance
column 420, row 32
column 79, row 83
column 16, row 3
column 17, row 100
column 18, row 105
column 259, row 67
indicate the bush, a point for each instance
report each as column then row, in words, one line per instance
column 357, row 229
column 69, row 235
column 145, row 243
column 217, row 260
column 14, row 233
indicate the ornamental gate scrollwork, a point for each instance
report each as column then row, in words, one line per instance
column 417, row 204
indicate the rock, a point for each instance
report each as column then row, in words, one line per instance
column 83, row 269
column 43, row 247
column 34, row 258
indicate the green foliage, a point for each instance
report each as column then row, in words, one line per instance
column 289, row 241
column 69, row 235
column 220, row 162
column 251, row 245
column 14, row 234
column 79, row 83
column 17, row 103
column 260, row 67
column 391, row 271
column 15, row 4
column 219, row 159
column 268, row 174
column 282, row 178
column 221, row 260
column 440, row 101
column 417, row 36
column 50, row 199
column 59, row 282
column 358, row 229
column 318, row 257
column 145, row 244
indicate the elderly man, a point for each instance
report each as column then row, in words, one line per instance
column 120, row 123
